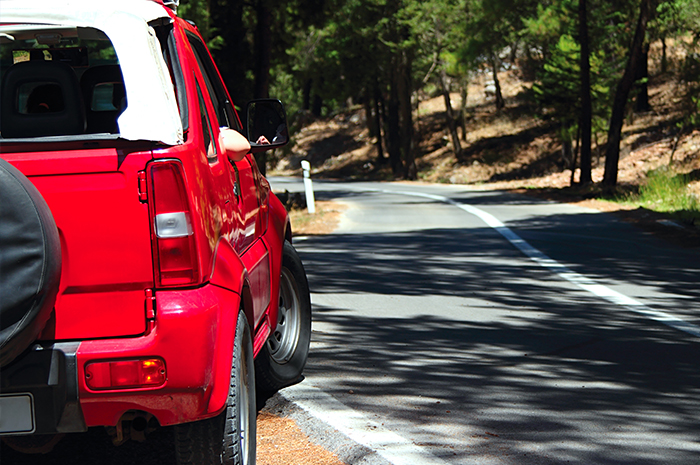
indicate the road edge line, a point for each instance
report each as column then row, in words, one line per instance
column 579, row 280
column 392, row 447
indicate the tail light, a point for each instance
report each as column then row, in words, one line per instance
column 175, row 248
column 123, row 374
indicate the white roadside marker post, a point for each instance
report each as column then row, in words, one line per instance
column 308, row 186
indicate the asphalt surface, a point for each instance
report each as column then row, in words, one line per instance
column 457, row 327
column 469, row 327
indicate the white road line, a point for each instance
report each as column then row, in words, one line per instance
column 353, row 424
column 579, row 280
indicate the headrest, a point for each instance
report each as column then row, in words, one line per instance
column 41, row 98
column 104, row 96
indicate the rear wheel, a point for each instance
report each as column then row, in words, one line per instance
column 282, row 359
column 229, row 438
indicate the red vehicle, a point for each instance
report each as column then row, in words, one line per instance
column 147, row 276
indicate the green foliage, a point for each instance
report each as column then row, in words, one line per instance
column 694, row 117
column 675, row 18
column 491, row 26
column 558, row 87
column 553, row 32
column 437, row 30
column 666, row 191
column 198, row 12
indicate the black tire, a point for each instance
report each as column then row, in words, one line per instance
column 30, row 263
column 283, row 357
column 229, row 438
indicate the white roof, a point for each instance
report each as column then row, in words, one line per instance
column 152, row 112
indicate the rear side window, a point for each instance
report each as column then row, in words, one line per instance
column 209, row 145
column 225, row 113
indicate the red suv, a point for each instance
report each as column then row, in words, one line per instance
column 147, row 276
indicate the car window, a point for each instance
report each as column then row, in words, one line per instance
column 207, row 134
column 59, row 81
column 170, row 55
column 222, row 106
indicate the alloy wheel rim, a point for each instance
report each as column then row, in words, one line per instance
column 284, row 339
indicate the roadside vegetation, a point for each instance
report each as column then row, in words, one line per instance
column 666, row 191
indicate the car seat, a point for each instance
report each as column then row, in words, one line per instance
column 41, row 98
column 104, row 96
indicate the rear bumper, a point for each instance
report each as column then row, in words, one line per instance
column 46, row 377
column 193, row 333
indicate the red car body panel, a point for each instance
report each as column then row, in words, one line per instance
column 192, row 333
column 105, row 238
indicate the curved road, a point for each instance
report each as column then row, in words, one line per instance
column 455, row 326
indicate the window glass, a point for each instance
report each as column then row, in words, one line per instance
column 209, row 145
column 222, row 106
column 40, row 97
column 170, row 55
column 70, row 74
column 108, row 96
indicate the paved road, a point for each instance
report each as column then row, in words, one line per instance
column 464, row 327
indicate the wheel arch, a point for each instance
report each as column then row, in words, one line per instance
column 278, row 231
column 228, row 272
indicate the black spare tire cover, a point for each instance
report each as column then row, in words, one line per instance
column 30, row 262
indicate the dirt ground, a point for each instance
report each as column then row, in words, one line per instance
column 281, row 442
column 324, row 221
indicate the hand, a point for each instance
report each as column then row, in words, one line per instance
column 262, row 140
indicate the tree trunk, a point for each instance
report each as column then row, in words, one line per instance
column 451, row 123
column 642, row 103
column 405, row 91
column 317, row 101
column 234, row 58
column 378, row 122
column 574, row 158
column 393, row 140
column 586, row 105
column 463, row 108
column 567, row 152
column 500, row 103
column 612, row 151
column 306, row 95
column 263, row 49
column 367, row 105
column 664, row 56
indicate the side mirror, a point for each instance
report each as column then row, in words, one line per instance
column 267, row 125
column 234, row 143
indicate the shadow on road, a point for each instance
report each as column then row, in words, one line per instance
column 532, row 370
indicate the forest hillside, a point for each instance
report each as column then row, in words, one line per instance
column 513, row 149
column 510, row 148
